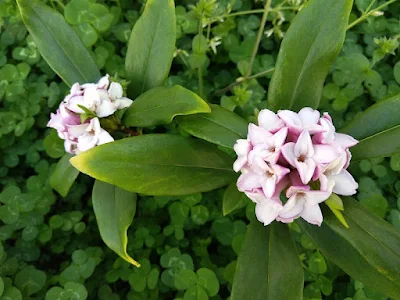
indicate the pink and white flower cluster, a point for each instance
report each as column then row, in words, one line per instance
column 299, row 153
column 101, row 99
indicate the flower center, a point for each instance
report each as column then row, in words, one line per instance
column 301, row 158
column 269, row 174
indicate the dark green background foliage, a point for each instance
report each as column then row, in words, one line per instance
column 50, row 246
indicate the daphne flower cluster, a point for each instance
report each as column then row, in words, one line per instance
column 94, row 101
column 299, row 153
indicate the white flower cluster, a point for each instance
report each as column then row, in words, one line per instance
column 94, row 100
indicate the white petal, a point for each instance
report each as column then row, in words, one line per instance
column 280, row 137
column 345, row 141
column 86, row 142
column 123, row 102
column 290, row 117
column 325, row 154
column 242, row 147
column 304, row 146
column 104, row 137
column 115, row 91
column 344, row 183
column 268, row 185
column 316, row 197
column 77, row 130
column 105, row 108
column 306, row 169
column 258, row 135
column 312, row 214
column 288, row 153
column 248, row 181
column 292, row 208
column 267, row 211
column 104, row 82
column 309, row 116
column 91, row 97
column 73, row 104
column 269, row 120
column 239, row 163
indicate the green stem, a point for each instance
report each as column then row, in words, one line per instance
column 259, row 36
column 241, row 80
column 369, row 6
column 366, row 15
column 200, row 69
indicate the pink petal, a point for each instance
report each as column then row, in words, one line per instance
column 288, row 153
column 258, row 135
column 290, row 118
column 304, row 146
column 325, row 154
column 268, row 185
column 267, row 211
column 345, row 141
column 309, row 116
column 280, row 137
column 269, row 120
column 248, row 181
column 344, row 183
column 306, row 169
column 312, row 214
column 256, row 195
column 316, row 197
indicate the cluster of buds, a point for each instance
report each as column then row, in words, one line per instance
column 77, row 118
column 300, row 154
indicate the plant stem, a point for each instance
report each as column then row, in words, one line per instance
column 366, row 15
column 200, row 69
column 369, row 6
column 240, row 80
column 259, row 36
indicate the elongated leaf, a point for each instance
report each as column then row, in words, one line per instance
column 221, row 127
column 114, row 209
column 160, row 105
column 58, row 43
column 377, row 129
column 310, row 46
column 63, row 176
column 268, row 267
column 151, row 47
column 158, row 164
column 369, row 250
column 233, row 199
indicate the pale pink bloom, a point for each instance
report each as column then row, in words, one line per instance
column 306, row 119
column 299, row 155
column 89, row 135
column 242, row 149
column 303, row 203
column 62, row 119
column 270, row 121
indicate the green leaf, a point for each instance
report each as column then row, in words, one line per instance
column 377, row 129
column 220, row 127
column 233, row 199
column 53, row 145
column 160, row 105
column 369, row 250
column 309, row 48
column 63, row 176
column 30, row 280
column 268, row 266
column 151, row 47
column 208, row 280
column 58, row 43
column 158, row 164
column 114, row 209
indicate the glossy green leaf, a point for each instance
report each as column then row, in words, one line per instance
column 160, row 105
column 151, row 47
column 233, row 199
column 58, row 43
column 114, row 209
column 268, row 266
column 63, row 176
column 158, row 164
column 369, row 250
column 310, row 46
column 221, row 126
column 377, row 129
